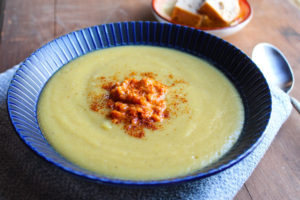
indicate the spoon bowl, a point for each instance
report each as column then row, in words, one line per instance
column 275, row 68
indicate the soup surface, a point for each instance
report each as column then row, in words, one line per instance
column 202, row 114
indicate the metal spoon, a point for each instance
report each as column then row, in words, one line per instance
column 275, row 68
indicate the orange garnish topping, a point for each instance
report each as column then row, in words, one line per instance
column 138, row 104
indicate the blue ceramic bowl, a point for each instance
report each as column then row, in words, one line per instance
column 37, row 69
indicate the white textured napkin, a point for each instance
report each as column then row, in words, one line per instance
column 23, row 175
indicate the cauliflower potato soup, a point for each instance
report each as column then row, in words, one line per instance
column 140, row 113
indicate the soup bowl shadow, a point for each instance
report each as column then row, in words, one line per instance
column 38, row 68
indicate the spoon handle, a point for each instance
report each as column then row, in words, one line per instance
column 296, row 104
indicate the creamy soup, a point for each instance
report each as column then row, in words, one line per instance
column 204, row 114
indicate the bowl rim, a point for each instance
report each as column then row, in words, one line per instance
column 243, row 21
column 122, row 182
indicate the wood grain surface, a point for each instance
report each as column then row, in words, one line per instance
column 27, row 25
column 2, row 6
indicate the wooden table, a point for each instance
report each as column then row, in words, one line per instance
column 28, row 24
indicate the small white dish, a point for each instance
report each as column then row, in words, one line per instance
column 162, row 11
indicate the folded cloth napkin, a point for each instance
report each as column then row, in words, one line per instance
column 24, row 175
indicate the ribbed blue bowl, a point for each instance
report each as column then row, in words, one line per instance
column 35, row 71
